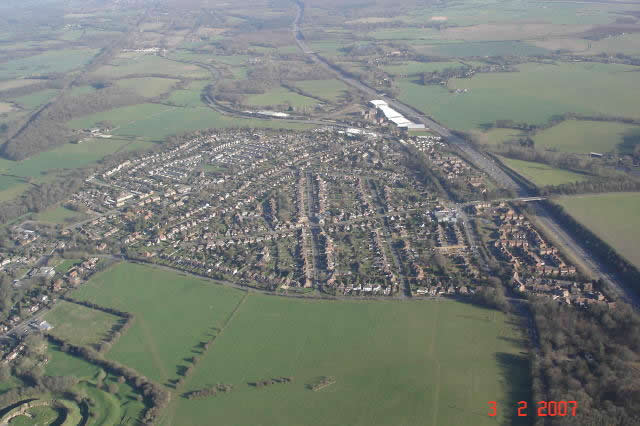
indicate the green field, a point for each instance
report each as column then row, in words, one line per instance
column 54, row 61
column 542, row 174
column 613, row 217
column 587, row 136
column 173, row 314
column 533, row 95
column 395, row 363
column 280, row 96
column 496, row 136
column 59, row 215
column 413, row 67
column 156, row 122
column 331, row 90
column 34, row 100
column 146, row 64
column 78, row 324
column 148, row 87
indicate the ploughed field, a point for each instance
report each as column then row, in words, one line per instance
column 393, row 362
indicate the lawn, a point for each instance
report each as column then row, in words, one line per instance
column 614, row 217
column 280, row 96
column 532, row 95
column 173, row 314
column 148, row 87
column 80, row 325
column 331, row 89
column 395, row 363
column 587, row 136
column 542, row 174
column 59, row 215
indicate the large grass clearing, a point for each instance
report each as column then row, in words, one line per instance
column 413, row 67
column 156, row 122
column 35, row 99
column 145, row 64
column 80, row 325
column 59, row 215
column 330, row 90
column 588, row 136
column 542, row 174
column 148, row 87
column 402, row 363
column 614, row 217
column 533, row 95
column 280, row 96
column 54, row 61
column 174, row 313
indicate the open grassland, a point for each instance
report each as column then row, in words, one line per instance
column 148, row 87
column 280, row 96
column 34, row 100
column 588, row 136
column 542, row 174
column 145, row 64
column 78, row 324
column 59, row 215
column 174, row 313
column 331, row 89
column 189, row 97
column 614, row 217
column 496, row 136
column 156, row 122
column 532, row 95
column 14, row 84
column 413, row 67
column 54, row 61
column 403, row 363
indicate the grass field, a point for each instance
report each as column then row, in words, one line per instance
column 49, row 62
column 156, row 122
column 401, row 363
column 413, row 67
column 280, row 96
column 532, row 95
column 496, row 136
column 587, row 136
column 330, row 90
column 145, row 64
column 173, row 314
column 78, row 324
column 59, row 215
column 614, row 217
column 542, row 174
column 35, row 99
column 148, row 87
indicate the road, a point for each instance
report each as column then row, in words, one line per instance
column 479, row 159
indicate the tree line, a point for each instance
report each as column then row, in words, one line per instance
column 589, row 356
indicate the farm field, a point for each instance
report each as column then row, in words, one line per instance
column 613, row 217
column 496, row 136
column 49, row 62
column 413, row 67
column 587, row 136
column 280, row 96
column 148, row 87
column 78, row 324
column 331, row 90
column 173, row 314
column 35, row 99
column 156, row 122
column 532, row 95
column 143, row 64
column 542, row 174
column 427, row 363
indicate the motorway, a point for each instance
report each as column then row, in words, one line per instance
column 480, row 160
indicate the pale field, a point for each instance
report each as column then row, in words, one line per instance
column 13, row 84
column 5, row 107
column 509, row 31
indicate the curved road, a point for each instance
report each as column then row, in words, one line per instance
column 480, row 160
